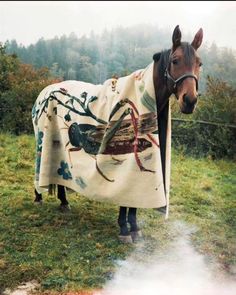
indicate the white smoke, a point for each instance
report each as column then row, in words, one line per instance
column 180, row 270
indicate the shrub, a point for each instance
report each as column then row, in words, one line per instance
column 218, row 105
column 19, row 88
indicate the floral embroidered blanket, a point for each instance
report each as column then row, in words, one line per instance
column 102, row 140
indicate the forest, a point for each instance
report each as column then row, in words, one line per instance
column 26, row 70
column 120, row 51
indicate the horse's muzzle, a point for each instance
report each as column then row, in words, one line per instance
column 188, row 104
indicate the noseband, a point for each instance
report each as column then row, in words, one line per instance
column 180, row 79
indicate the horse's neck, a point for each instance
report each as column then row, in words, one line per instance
column 162, row 98
column 161, row 91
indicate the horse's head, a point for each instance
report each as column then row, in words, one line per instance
column 183, row 69
column 179, row 70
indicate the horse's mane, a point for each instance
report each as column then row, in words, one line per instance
column 163, row 58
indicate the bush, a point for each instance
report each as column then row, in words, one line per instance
column 218, row 105
column 199, row 139
column 19, row 88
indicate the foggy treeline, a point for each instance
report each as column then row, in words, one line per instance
column 119, row 51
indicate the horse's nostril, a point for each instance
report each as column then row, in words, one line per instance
column 189, row 100
column 186, row 99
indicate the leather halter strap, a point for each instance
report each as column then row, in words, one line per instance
column 180, row 79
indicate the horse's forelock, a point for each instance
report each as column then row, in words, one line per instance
column 188, row 53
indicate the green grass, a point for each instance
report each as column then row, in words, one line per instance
column 203, row 194
column 80, row 249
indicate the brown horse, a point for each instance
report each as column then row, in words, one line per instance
column 176, row 71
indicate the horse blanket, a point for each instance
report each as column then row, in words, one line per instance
column 102, row 140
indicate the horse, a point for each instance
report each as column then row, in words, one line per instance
column 175, row 71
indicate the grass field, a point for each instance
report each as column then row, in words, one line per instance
column 79, row 250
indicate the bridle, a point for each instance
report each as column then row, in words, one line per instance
column 179, row 80
column 174, row 83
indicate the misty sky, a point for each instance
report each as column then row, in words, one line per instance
column 27, row 21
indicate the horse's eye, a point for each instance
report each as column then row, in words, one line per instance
column 175, row 61
column 200, row 64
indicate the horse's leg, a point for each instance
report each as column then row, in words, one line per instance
column 38, row 197
column 134, row 229
column 124, row 235
column 61, row 195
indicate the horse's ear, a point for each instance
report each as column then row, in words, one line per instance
column 197, row 41
column 176, row 38
column 156, row 56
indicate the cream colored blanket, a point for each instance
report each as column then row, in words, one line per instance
column 102, row 140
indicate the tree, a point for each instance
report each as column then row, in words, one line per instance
column 8, row 64
column 20, row 85
column 56, row 71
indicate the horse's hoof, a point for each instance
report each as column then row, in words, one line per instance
column 126, row 239
column 136, row 235
column 64, row 208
